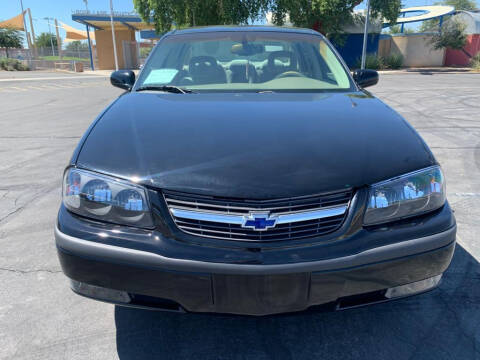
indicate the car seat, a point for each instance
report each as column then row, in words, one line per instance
column 206, row 70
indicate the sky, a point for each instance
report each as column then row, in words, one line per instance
column 58, row 9
column 62, row 10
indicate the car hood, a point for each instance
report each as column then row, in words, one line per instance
column 256, row 146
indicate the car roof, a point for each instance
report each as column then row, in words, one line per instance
column 223, row 28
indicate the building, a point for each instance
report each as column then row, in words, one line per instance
column 125, row 26
column 471, row 19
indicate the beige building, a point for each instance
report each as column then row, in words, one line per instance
column 125, row 27
column 415, row 49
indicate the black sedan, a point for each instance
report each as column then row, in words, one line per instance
column 246, row 171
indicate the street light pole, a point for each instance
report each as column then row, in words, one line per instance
column 113, row 36
column 32, row 31
column 59, row 41
column 25, row 28
column 365, row 35
column 51, row 35
column 88, row 38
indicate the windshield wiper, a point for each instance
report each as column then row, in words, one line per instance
column 166, row 88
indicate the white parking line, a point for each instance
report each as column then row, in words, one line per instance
column 14, row 88
column 466, row 194
column 57, row 78
column 48, row 86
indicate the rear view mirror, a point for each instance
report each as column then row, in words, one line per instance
column 124, row 79
column 365, row 78
column 247, row 49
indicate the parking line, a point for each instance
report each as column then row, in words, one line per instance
column 16, row 88
column 35, row 87
column 99, row 77
column 13, row 89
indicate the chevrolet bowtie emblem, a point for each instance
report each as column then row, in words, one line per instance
column 259, row 221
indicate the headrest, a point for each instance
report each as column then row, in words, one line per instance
column 202, row 63
column 239, row 64
column 282, row 54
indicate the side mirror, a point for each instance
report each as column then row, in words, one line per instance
column 365, row 78
column 124, row 79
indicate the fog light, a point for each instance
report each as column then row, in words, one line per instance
column 100, row 293
column 413, row 288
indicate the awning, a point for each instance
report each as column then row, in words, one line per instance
column 422, row 13
column 102, row 21
column 74, row 34
column 14, row 23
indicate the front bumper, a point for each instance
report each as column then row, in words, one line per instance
column 252, row 289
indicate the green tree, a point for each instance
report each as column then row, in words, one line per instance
column 43, row 40
column 452, row 36
column 327, row 16
column 429, row 25
column 394, row 29
column 433, row 24
column 461, row 4
column 76, row 46
column 10, row 38
column 397, row 29
column 183, row 13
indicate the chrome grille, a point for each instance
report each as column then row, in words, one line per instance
column 222, row 218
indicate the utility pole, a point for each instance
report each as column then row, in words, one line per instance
column 33, row 33
column 59, row 42
column 88, row 39
column 365, row 35
column 50, row 32
column 25, row 29
column 113, row 36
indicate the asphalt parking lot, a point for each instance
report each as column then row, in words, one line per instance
column 41, row 120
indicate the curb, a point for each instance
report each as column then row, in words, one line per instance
column 430, row 71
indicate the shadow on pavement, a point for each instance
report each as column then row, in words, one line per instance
column 442, row 324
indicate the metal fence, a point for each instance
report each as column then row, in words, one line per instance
column 47, row 51
column 130, row 54
column 134, row 56
column 82, row 54
column 42, row 52
column 55, row 64
column 41, row 58
column 135, row 53
column 20, row 54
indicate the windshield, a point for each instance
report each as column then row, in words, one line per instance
column 245, row 61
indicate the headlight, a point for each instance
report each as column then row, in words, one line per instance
column 405, row 196
column 106, row 198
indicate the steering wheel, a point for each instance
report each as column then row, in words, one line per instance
column 288, row 74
